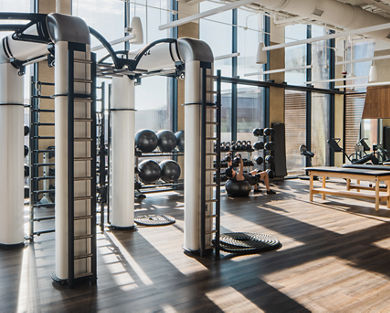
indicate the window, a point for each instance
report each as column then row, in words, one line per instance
column 295, row 57
column 250, row 111
column 320, row 129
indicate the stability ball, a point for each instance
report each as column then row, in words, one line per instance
column 166, row 140
column 146, row 140
column 180, row 140
column 170, row 171
column 238, row 188
column 149, row 171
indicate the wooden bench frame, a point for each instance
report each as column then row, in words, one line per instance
column 376, row 179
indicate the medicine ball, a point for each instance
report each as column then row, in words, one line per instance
column 25, row 150
column 26, row 130
column 237, row 188
column 269, row 159
column 259, row 160
column 180, row 140
column 166, row 140
column 149, row 171
column 170, row 171
column 146, row 140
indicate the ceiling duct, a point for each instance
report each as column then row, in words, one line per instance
column 330, row 12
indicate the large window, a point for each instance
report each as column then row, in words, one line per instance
column 250, row 111
column 295, row 57
column 320, row 123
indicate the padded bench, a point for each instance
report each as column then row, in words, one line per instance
column 360, row 174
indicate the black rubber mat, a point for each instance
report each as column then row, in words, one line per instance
column 154, row 220
column 245, row 243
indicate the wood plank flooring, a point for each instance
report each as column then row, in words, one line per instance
column 335, row 258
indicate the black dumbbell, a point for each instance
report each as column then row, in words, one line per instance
column 236, row 161
column 25, row 150
column 26, row 171
column 257, row 132
column 268, row 131
column 269, row 159
column 227, row 146
column 233, row 146
column 239, row 146
column 270, row 173
column 26, row 130
column 52, row 172
column 258, row 145
column 269, row 146
column 259, row 160
column 249, row 146
column 250, row 163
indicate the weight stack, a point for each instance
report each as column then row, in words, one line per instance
column 278, row 166
column 386, row 138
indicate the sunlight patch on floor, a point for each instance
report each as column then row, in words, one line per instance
column 229, row 300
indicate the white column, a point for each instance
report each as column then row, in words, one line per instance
column 61, row 160
column 192, row 130
column 11, row 156
column 122, row 153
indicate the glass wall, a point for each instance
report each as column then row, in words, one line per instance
column 320, row 122
column 226, row 112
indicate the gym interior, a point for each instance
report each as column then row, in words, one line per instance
column 194, row 156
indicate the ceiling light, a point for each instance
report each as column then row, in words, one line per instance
column 261, row 56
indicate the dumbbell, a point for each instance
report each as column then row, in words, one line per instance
column 25, row 150
column 258, row 145
column 259, row 160
column 257, row 132
column 227, row 146
column 26, row 130
column 233, row 146
column 269, row 159
column 236, row 161
column 269, row 146
column 238, row 146
column 249, row 146
column 268, row 131
column 270, row 173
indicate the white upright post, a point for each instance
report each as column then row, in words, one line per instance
column 11, row 156
column 192, row 160
column 121, row 187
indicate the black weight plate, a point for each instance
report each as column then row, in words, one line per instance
column 154, row 220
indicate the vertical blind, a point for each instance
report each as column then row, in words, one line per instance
column 295, row 122
column 353, row 115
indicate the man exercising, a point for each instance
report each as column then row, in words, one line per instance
column 253, row 177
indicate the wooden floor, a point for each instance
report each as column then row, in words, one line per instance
column 335, row 258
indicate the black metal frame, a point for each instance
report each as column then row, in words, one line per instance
column 308, row 95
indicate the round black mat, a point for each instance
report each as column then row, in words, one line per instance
column 248, row 242
column 154, row 220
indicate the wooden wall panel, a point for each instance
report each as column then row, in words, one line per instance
column 377, row 104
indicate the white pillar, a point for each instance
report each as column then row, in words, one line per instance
column 192, row 159
column 122, row 153
column 11, row 156
column 61, row 160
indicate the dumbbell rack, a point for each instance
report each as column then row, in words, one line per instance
column 37, row 175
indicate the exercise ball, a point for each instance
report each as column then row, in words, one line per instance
column 26, row 130
column 166, row 140
column 170, row 171
column 237, row 188
column 149, row 171
column 26, row 171
column 146, row 140
column 180, row 140
column 25, row 150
